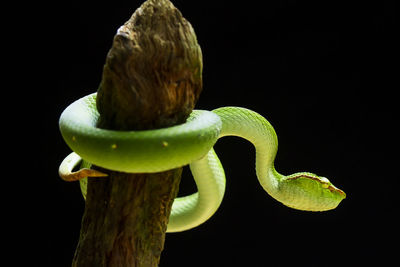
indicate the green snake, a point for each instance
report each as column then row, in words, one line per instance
column 188, row 143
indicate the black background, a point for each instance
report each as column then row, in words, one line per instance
column 320, row 71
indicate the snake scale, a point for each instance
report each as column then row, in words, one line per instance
column 188, row 143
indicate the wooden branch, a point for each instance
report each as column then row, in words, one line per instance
column 152, row 78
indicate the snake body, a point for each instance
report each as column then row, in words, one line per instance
column 189, row 143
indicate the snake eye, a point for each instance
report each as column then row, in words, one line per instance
column 324, row 182
column 325, row 185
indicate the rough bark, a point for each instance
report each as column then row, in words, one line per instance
column 152, row 78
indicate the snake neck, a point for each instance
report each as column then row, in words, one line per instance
column 304, row 190
column 256, row 129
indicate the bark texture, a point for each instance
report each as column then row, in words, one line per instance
column 152, row 78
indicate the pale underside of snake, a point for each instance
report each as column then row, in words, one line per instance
column 189, row 143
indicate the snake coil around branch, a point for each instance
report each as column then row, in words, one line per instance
column 188, row 143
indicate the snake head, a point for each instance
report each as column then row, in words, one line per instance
column 308, row 191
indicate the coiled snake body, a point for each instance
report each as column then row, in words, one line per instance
column 188, row 143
